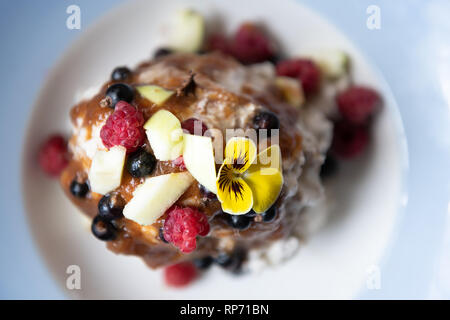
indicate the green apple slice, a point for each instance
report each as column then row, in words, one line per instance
column 188, row 31
column 155, row 94
column 198, row 156
column 165, row 135
column 152, row 198
column 106, row 169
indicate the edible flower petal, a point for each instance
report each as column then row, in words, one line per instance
column 265, row 179
column 243, row 183
column 233, row 192
column 240, row 153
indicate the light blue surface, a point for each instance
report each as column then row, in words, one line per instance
column 412, row 51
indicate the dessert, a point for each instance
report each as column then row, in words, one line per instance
column 210, row 152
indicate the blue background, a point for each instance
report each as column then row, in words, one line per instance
column 409, row 49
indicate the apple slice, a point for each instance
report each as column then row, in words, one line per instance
column 291, row 90
column 188, row 31
column 152, row 198
column 332, row 62
column 155, row 94
column 106, row 169
column 165, row 135
column 198, row 156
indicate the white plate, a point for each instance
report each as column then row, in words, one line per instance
column 334, row 263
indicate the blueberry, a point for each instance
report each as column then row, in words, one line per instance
column 141, row 163
column 161, row 235
column 233, row 261
column 110, row 207
column 206, row 193
column 120, row 74
column 78, row 189
column 161, row 52
column 103, row 230
column 251, row 214
column 266, row 120
column 329, row 167
column 270, row 214
column 203, row 263
column 224, row 260
column 275, row 59
column 240, row 222
column 120, row 92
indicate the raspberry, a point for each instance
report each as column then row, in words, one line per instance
column 124, row 128
column 304, row 70
column 53, row 155
column 218, row 42
column 357, row 104
column 349, row 140
column 194, row 126
column 180, row 274
column 182, row 227
column 251, row 45
column 179, row 162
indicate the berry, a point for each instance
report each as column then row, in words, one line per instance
column 329, row 167
column 270, row 214
column 53, row 155
column 124, row 128
column 103, row 230
column 224, row 260
column 141, row 163
column 240, row 222
column 305, row 70
column 218, row 42
column 203, row 263
column 266, row 120
column 120, row 74
column 182, row 226
column 206, row 193
column 78, row 189
column 110, row 207
column 349, row 140
column 180, row 274
column 179, row 162
column 194, row 126
column 251, row 45
column 251, row 214
column 275, row 59
column 357, row 104
column 161, row 52
column 120, row 92
column 231, row 261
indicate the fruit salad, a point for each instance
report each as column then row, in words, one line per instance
column 212, row 152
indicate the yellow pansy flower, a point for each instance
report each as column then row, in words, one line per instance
column 249, row 181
